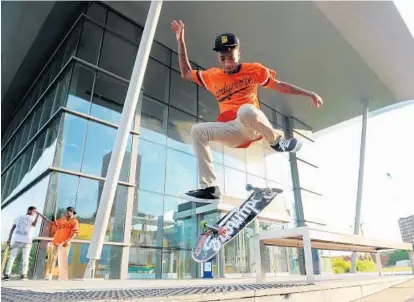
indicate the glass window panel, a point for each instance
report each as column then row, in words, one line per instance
column 70, row 44
column 4, row 183
column 97, row 12
column 174, row 61
column 147, row 219
column 98, row 149
column 309, row 177
column 48, row 105
column 52, row 134
column 281, row 120
column 183, row 94
column 124, row 27
column 18, row 136
column 108, row 98
column 255, row 162
column 27, row 156
column 150, row 173
column 156, row 81
column 278, row 167
column 217, row 150
column 62, row 89
column 235, row 158
column 269, row 112
column 256, row 181
column 79, row 98
column 25, row 134
column 90, row 42
column 161, row 53
column 36, row 120
column 142, row 261
column 71, row 142
column 57, row 61
column 153, row 120
column 179, row 130
column 107, row 267
column 12, row 154
column 45, row 80
column 40, row 161
column 67, row 188
column 235, row 183
column 208, row 108
column 8, row 188
column 15, row 176
column 118, row 55
column 87, row 203
column 174, row 233
column 181, row 174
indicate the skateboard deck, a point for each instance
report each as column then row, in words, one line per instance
column 219, row 234
column 4, row 258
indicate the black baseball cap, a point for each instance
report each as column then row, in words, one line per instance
column 226, row 41
column 71, row 209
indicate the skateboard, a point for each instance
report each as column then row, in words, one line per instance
column 3, row 260
column 215, row 236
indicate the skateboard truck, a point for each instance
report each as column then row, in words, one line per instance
column 220, row 230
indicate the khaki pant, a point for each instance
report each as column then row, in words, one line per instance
column 61, row 253
column 50, row 257
column 250, row 124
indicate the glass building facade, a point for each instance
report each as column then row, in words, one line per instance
column 56, row 152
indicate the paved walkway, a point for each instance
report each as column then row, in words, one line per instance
column 399, row 293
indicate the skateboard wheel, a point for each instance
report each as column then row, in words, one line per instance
column 222, row 231
column 203, row 223
column 249, row 187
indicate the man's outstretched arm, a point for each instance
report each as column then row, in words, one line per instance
column 287, row 88
column 185, row 66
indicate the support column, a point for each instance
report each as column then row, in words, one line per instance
column 118, row 152
column 360, row 177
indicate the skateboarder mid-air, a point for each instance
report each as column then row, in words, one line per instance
column 240, row 121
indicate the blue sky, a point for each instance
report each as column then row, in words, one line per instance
column 390, row 149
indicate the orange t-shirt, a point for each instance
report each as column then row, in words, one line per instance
column 64, row 230
column 234, row 90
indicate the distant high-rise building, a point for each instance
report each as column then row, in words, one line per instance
column 407, row 228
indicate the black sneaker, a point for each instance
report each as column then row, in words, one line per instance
column 288, row 145
column 6, row 278
column 23, row 277
column 207, row 195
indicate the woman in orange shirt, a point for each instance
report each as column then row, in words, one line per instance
column 241, row 121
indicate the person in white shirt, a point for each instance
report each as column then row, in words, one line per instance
column 22, row 229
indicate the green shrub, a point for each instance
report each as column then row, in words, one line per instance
column 340, row 266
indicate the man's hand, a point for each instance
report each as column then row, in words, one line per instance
column 178, row 28
column 65, row 244
column 317, row 101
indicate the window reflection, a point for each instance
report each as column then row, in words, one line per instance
column 153, row 120
column 147, row 219
column 235, row 158
column 277, row 167
column 79, row 98
column 255, row 162
column 179, row 130
column 181, row 174
column 235, row 183
column 117, row 55
column 156, row 80
column 150, row 173
column 108, row 98
column 183, row 94
column 71, row 142
column 107, row 267
column 98, row 149
column 90, row 42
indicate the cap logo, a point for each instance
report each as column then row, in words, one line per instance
column 224, row 39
